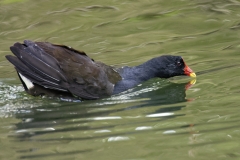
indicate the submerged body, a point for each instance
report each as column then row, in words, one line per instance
column 43, row 67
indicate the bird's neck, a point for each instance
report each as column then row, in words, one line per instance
column 132, row 76
column 142, row 72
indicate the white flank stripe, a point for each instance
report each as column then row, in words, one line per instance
column 27, row 82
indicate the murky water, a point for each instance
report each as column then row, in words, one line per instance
column 159, row 119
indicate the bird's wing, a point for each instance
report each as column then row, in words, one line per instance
column 61, row 68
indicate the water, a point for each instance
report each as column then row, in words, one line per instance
column 159, row 119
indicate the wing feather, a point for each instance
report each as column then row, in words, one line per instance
column 59, row 67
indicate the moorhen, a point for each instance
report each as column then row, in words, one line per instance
column 44, row 66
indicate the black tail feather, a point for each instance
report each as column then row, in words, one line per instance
column 38, row 66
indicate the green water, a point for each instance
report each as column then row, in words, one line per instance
column 156, row 120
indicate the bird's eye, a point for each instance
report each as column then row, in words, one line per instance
column 178, row 63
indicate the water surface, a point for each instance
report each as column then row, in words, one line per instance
column 159, row 119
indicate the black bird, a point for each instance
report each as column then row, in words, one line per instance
column 42, row 67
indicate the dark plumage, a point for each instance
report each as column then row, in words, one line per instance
column 44, row 67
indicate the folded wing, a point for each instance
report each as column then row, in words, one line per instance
column 62, row 68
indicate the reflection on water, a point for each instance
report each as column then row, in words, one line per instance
column 91, row 121
column 90, row 111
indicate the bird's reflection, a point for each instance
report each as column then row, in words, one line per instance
column 69, row 116
column 46, row 116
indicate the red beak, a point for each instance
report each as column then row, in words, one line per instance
column 188, row 71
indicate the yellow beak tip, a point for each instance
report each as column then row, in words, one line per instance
column 193, row 75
